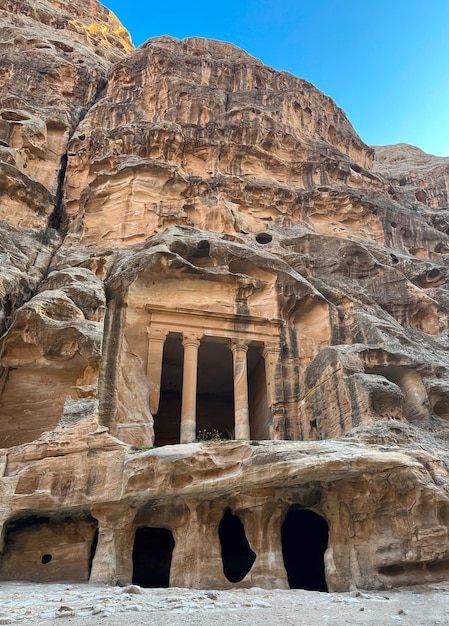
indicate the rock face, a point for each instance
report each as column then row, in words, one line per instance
column 225, row 350
column 54, row 62
column 423, row 177
column 219, row 127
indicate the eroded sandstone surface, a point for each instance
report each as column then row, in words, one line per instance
column 224, row 359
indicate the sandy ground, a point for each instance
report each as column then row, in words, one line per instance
column 83, row 605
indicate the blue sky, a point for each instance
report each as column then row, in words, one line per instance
column 384, row 62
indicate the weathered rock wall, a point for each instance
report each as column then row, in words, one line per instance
column 207, row 118
column 195, row 245
column 419, row 178
column 54, row 62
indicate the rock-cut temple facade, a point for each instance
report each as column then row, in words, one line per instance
column 224, row 352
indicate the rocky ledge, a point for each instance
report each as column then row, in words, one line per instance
column 224, row 359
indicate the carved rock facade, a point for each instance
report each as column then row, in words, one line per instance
column 224, row 360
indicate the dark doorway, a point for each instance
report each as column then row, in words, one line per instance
column 167, row 421
column 259, row 411
column 93, row 551
column 152, row 554
column 215, row 398
column 237, row 556
column 304, row 542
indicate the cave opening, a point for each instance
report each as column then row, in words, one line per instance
column 152, row 556
column 415, row 405
column 93, row 550
column 201, row 255
column 441, row 406
column 304, row 536
column 236, row 553
column 49, row 549
column 264, row 238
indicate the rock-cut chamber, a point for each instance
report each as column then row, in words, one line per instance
column 45, row 549
column 304, row 541
column 152, row 556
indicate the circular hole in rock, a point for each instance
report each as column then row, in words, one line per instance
column 394, row 258
column 46, row 558
column 263, row 238
column 433, row 273
column 420, row 195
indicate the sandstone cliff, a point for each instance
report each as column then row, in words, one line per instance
column 225, row 348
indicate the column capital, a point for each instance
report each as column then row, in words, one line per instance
column 270, row 349
column 156, row 334
column 112, row 516
column 237, row 345
column 191, row 339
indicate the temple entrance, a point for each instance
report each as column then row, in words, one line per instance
column 167, row 421
column 260, row 417
column 152, row 555
column 304, row 541
column 215, row 416
column 215, row 392
column 236, row 554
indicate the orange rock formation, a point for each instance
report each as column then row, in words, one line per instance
column 225, row 349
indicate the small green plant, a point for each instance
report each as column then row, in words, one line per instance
column 210, row 435
column 45, row 236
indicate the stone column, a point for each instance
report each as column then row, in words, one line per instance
column 156, row 340
column 197, row 561
column 191, row 344
column 241, row 406
column 263, row 530
column 275, row 391
column 112, row 563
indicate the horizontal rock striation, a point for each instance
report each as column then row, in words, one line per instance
column 210, row 116
column 224, row 358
